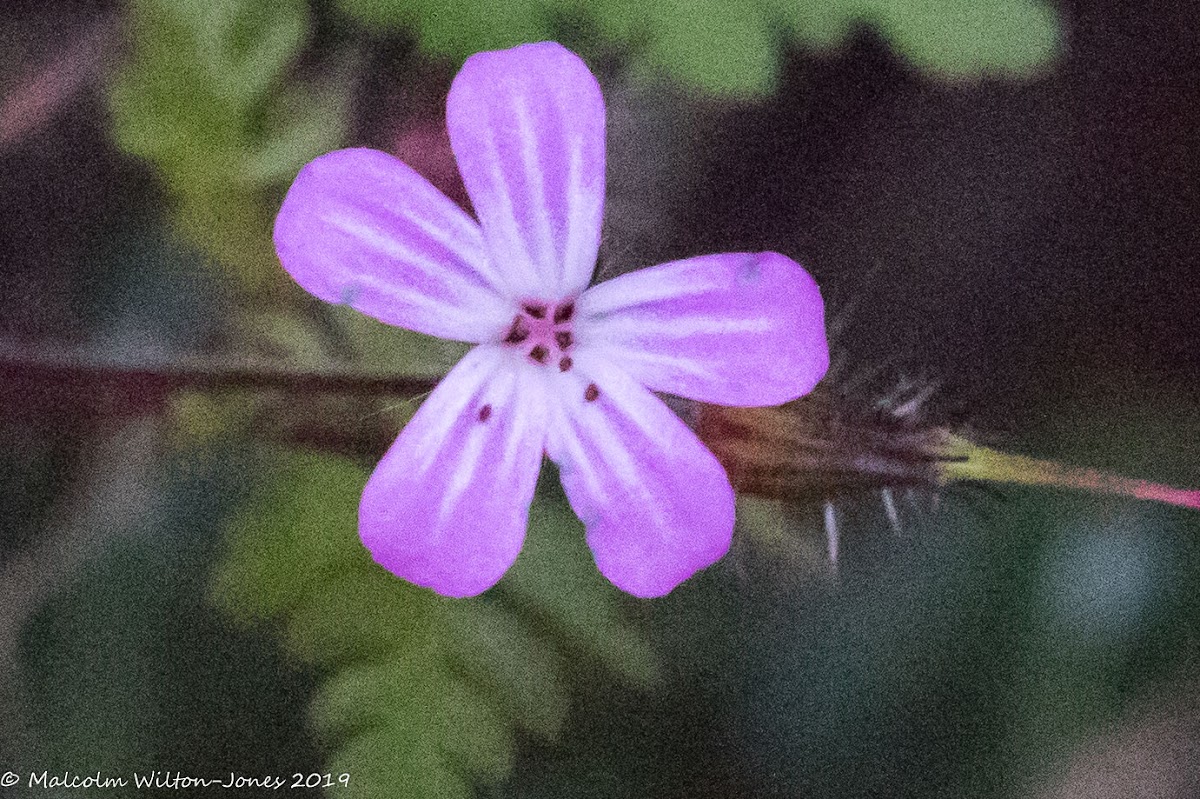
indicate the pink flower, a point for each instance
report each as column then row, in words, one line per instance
column 559, row 368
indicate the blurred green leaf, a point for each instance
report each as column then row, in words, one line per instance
column 821, row 26
column 422, row 692
column 723, row 49
column 964, row 39
column 458, row 29
column 518, row 669
column 260, row 576
column 556, row 578
column 204, row 97
column 300, row 123
column 732, row 49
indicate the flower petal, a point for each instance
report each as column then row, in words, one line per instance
column 732, row 329
column 656, row 503
column 447, row 506
column 527, row 129
column 362, row 228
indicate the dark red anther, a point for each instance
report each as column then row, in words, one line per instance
column 564, row 339
column 539, row 353
column 564, row 312
column 485, row 413
column 518, row 332
column 592, row 393
column 564, row 365
column 536, row 311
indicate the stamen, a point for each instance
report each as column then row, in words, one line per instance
column 592, row 393
column 564, row 339
column 518, row 332
column 539, row 353
column 485, row 413
column 564, row 312
column 565, row 364
column 536, row 311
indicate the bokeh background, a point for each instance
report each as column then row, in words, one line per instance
column 1000, row 200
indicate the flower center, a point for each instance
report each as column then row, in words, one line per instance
column 544, row 332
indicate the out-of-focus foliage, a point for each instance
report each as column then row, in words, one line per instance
column 421, row 691
column 732, row 49
column 962, row 38
column 206, row 97
column 128, row 665
column 210, row 96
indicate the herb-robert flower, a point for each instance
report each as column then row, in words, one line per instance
column 559, row 369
